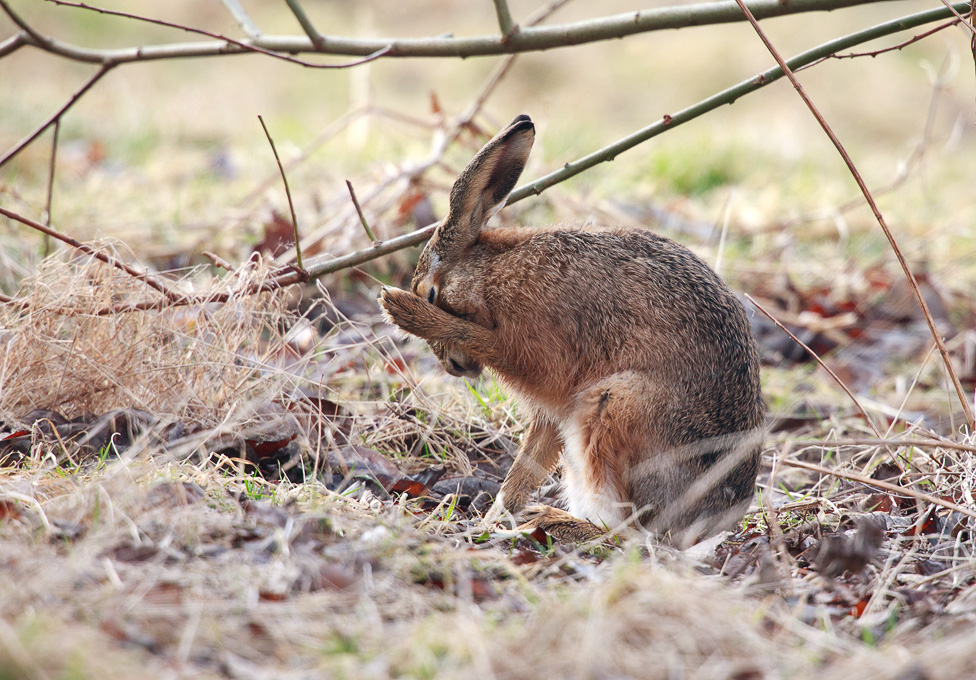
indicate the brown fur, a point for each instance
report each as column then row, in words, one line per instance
column 630, row 355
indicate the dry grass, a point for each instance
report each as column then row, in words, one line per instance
column 168, row 555
column 192, row 566
column 64, row 352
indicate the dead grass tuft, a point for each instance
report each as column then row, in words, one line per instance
column 64, row 353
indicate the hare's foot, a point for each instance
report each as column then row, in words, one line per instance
column 407, row 311
column 559, row 524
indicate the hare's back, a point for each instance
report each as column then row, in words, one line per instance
column 622, row 299
column 632, row 276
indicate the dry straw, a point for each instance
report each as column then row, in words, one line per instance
column 198, row 363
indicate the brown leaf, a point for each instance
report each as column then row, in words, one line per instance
column 360, row 461
column 9, row 510
column 263, row 448
column 278, row 235
column 841, row 553
column 331, row 577
column 126, row 552
column 418, row 485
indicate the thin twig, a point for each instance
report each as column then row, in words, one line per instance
column 291, row 206
column 960, row 392
column 887, row 486
column 245, row 46
column 289, row 277
column 38, row 38
column 50, row 183
column 497, row 74
column 175, row 298
column 960, row 17
column 506, row 25
column 217, row 260
column 242, row 18
column 317, row 40
column 827, row 368
column 727, row 96
column 894, row 48
column 935, row 444
column 26, row 141
column 359, row 211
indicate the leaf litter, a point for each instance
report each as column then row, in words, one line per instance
column 263, row 488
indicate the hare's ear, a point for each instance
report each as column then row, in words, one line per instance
column 482, row 188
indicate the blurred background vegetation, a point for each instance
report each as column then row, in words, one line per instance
column 163, row 154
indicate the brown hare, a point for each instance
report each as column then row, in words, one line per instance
column 629, row 355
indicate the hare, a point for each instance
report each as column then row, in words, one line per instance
column 630, row 357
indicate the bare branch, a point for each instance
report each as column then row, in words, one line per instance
column 498, row 73
column 960, row 17
column 526, row 40
column 950, row 371
column 317, row 40
column 241, row 17
column 14, row 43
column 35, row 37
column 894, row 48
column 289, row 276
column 922, row 444
column 329, row 265
column 57, row 114
column 50, row 183
column 728, row 96
column 505, row 23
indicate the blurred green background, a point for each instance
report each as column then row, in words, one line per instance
column 165, row 155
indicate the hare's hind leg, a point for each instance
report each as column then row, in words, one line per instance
column 559, row 524
column 613, row 433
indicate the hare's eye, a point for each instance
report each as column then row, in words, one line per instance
column 432, row 294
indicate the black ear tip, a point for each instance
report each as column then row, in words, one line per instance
column 521, row 122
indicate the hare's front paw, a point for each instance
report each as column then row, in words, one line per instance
column 405, row 310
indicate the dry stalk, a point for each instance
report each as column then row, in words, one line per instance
column 951, row 372
column 922, row 444
column 291, row 205
column 887, row 486
column 50, row 183
column 833, row 375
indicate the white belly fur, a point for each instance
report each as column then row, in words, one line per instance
column 584, row 499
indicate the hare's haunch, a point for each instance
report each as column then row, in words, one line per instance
column 634, row 362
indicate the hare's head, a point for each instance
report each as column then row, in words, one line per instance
column 445, row 274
